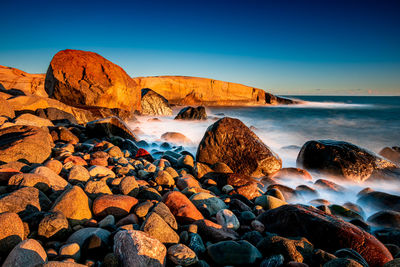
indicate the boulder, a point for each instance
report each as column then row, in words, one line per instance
column 380, row 200
column 110, row 127
column 81, row 78
column 233, row 253
column 181, row 207
column 6, row 109
column 74, row 204
column 174, row 137
column 340, row 159
column 24, row 201
column 292, row 173
column 191, row 113
column 154, row 103
column 386, row 218
column 11, row 231
column 29, row 143
column 56, row 115
column 28, row 253
column 32, row 120
column 231, row 142
column 298, row 220
column 136, row 248
column 116, row 205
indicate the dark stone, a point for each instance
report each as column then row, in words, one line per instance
column 233, row 253
column 191, row 113
column 380, row 200
column 109, row 127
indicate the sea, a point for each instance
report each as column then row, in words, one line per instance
column 372, row 122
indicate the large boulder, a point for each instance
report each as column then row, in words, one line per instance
column 25, row 143
column 109, row 127
column 136, row 248
column 340, row 159
column 85, row 78
column 191, row 113
column 380, row 200
column 230, row 141
column 154, row 104
column 309, row 222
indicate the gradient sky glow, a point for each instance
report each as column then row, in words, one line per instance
column 285, row 47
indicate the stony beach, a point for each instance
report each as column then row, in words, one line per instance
column 79, row 188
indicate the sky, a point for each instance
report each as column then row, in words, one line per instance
column 287, row 47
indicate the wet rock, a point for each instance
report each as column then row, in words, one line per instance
column 297, row 220
column 305, row 190
column 182, row 255
column 233, row 253
column 351, row 254
column 386, row 218
column 275, row 192
column 154, row 104
column 174, row 137
column 156, row 227
column 24, row 201
column 191, row 113
column 74, row 204
column 227, row 219
column 28, row 253
column 116, row 205
column 29, row 143
column 288, row 192
column 11, row 231
column 269, row 202
column 341, row 159
column 380, row 200
column 391, row 153
column 53, row 226
column 329, row 185
column 136, row 248
column 292, row 173
column 344, row 212
column 231, row 142
column 207, row 203
column 181, row 207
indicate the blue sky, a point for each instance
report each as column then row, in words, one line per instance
column 286, row 47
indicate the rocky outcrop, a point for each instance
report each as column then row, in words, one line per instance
column 191, row 113
column 154, row 104
column 184, row 90
column 297, row 220
column 18, row 82
column 85, row 78
column 340, row 159
column 233, row 143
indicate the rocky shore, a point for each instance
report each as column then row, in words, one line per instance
column 78, row 187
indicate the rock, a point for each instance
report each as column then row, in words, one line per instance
column 71, row 250
column 269, row 202
column 78, row 174
column 24, row 201
column 182, row 255
column 62, row 264
column 115, row 151
column 231, row 142
column 297, row 220
column 233, row 253
column 56, row 182
column 164, row 212
column 6, row 174
column 342, row 263
column 11, row 231
column 344, row 212
column 32, row 120
column 99, row 158
column 29, row 143
column 292, row 173
column 191, row 113
column 148, row 193
column 62, row 134
column 201, row 169
column 386, row 218
column 340, row 159
column 54, row 165
column 129, row 186
column 6, row 109
column 81, row 78
column 227, row 219
column 101, row 171
column 164, row 178
column 30, row 179
column 74, row 204
column 181, row 207
column 154, row 104
column 391, row 153
column 53, row 226
column 329, row 185
column 81, row 236
column 97, row 188
column 130, row 219
column 107, row 221
column 28, row 253
column 184, row 90
column 136, row 248
column 393, row 263
column 351, row 254
column 110, row 127
column 273, row 261
column 142, row 209
column 156, row 227
column 214, row 232
column 56, row 115
column 207, row 203
column 17, row 82
column 174, row 137
column 116, row 205
column 380, row 200
column 187, row 181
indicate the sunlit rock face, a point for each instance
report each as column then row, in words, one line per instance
column 183, row 90
column 18, row 82
column 85, row 78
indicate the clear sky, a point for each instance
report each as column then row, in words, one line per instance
column 285, row 47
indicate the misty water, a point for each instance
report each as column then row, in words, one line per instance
column 370, row 122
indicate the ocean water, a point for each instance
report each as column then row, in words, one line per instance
column 370, row 122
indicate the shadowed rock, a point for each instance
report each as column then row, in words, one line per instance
column 191, row 113
column 28, row 253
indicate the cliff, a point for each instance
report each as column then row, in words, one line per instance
column 184, row 90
